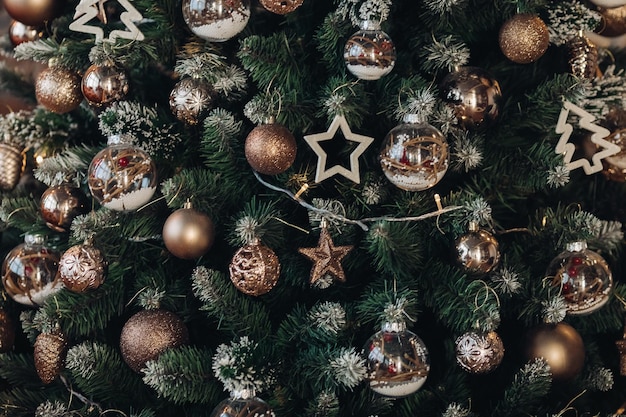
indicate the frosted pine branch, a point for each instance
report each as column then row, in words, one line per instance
column 609, row 237
column 230, row 81
column 395, row 312
column 446, row 54
column 329, row 316
column 373, row 192
column 456, row 410
column 52, row 409
column 606, row 92
column 566, row 19
column 467, row 156
column 85, row 226
column 377, row 10
column 41, row 50
column 600, row 379
column 204, row 285
column 151, row 298
column 223, row 122
column 67, row 166
column 421, row 103
column 348, row 368
column 81, row 359
column 533, row 371
column 199, row 66
column 234, row 366
column 554, row 310
column 478, row 211
column 506, row 281
column 443, row 117
column 325, row 404
column 439, row 7
column 557, row 177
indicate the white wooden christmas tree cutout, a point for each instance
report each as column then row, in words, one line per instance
column 90, row 9
column 321, row 172
column 568, row 149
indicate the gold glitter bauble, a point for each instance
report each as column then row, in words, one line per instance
column 270, row 148
column 12, row 163
column 7, row 332
column 560, row 345
column 60, row 204
column 254, row 269
column 613, row 21
column 149, row 333
column 49, row 354
column 479, row 352
column 582, row 57
column 190, row 100
column 82, row 268
column 104, row 84
column 477, row 251
column 58, row 89
column 281, row 6
column 33, row 12
column 188, row 233
column 621, row 348
column 20, row 33
column 524, row 38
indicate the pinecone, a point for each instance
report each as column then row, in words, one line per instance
column 582, row 57
column 50, row 351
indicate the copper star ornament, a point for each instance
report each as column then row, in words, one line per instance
column 326, row 258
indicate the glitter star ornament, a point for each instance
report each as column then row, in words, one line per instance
column 92, row 9
column 326, row 258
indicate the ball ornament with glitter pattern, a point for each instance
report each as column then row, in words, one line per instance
column 281, row 6
column 83, row 268
column 254, row 269
column 270, row 148
column 58, row 89
column 479, row 352
column 524, row 38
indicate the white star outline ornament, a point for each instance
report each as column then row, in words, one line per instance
column 89, row 9
column 321, row 172
column 567, row 149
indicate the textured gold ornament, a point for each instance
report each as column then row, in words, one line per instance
column 582, row 57
column 479, row 352
column 254, row 269
column 33, row 12
column 477, row 251
column 621, row 348
column 326, row 258
column 82, row 268
column 561, row 346
column 524, row 38
column 281, row 6
column 49, row 354
column 188, row 233
column 149, row 333
column 60, row 204
column 104, row 84
column 12, row 163
column 7, row 332
column 58, row 89
column 270, row 148
column 190, row 100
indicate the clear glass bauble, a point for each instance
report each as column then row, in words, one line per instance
column 414, row 155
column 369, row 53
column 216, row 20
column 397, row 361
column 243, row 407
column 30, row 271
column 583, row 277
column 122, row 177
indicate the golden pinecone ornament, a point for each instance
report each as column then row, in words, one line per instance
column 12, row 163
column 50, row 352
column 582, row 57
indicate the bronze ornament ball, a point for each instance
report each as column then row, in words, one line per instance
column 20, row 33
column 188, row 233
column 104, row 84
column 281, row 6
column 190, row 100
column 479, row 352
column 524, row 38
column 58, row 89
column 270, row 148
column 560, row 345
column 149, row 333
column 613, row 21
column 60, row 204
column 33, row 12
column 254, row 269
column 82, row 268
column 477, row 251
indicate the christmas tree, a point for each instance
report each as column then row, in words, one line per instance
column 313, row 208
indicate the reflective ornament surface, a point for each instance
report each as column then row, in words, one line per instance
column 20, row 33
column 58, row 89
column 583, row 278
column 524, row 38
column 190, row 100
column 243, row 407
column 254, row 269
column 49, row 355
column 188, row 233
column 216, row 20
column 582, row 57
column 12, row 164
column 613, row 21
column 414, row 155
column 477, row 251
column 281, row 6
column 560, row 345
column 479, row 352
column 60, row 204
column 104, row 84
column 82, row 268
column 270, row 148
column 33, row 12
column 369, row 53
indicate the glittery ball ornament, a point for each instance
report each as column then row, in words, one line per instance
column 58, row 89
column 104, row 84
column 414, row 155
column 188, row 233
column 621, row 348
column 216, row 20
column 369, row 53
column 560, row 345
column 242, row 407
column 477, row 251
column 7, row 332
column 397, row 361
column 190, row 100
column 33, row 12
column 524, row 38
column 83, row 268
column 20, row 33
column 30, row 271
column 254, row 269
column 479, row 352
column 49, row 355
column 122, row 177
column 270, row 148
column 582, row 57
column 149, row 333
column 473, row 94
column 582, row 277
column 614, row 166
column 281, row 6
column 60, row 204
column 12, row 164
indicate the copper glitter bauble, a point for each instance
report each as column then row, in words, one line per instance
column 60, row 204
column 104, row 84
column 270, row 148
column 149, row 333
column 621, row 348
column 33, row 12
column 524, row 38
column 369, row 53
column 188, row 233
column 613, row 21
column 242, row 407
column 20, row 33
column 479, row 352
column 49, row 355
column 82, row 268
column 582, row 277
column 254, row 269
column 473, row 94
column 560, row 345
column 582, row 57
column 190, row 100
column 281, row 6
column 7, row 332
column 477, row 251
column 58, row 89
column 216, row 20
column 12, row 163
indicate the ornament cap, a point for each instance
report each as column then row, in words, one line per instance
column 370, row 24
column 188, row 204
column 120, row 139
column 243, row 393
column 35, row 239
column 394, row 326
column 414, row 118
column 473, row 226
column 577, row 246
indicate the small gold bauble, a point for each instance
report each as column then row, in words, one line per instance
column 58, row 89
column 479, row 352
column 254, row 269
column 188, row 233
column 524, row 38
column 33, row 12
column 582, row 57
column 561, row 346
column 49, row 355
column 60, row 204
column 7, row 332
column 270, row 148
column 149, row 333
column 82, row 268
column 20, row 33
column 12, row 163
column 281, row 6
column 104, row 84
column 477, row 251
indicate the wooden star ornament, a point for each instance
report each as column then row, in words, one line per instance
column 326, row 258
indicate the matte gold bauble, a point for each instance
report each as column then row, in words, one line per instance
column 60, row 204
column 479, row 352
column 7, row 332
column 12, row 163
column 254, row 269
column 582, row 57
column 613, row 21
column 20, row 33
column 58, row 89
column 188, row 233
column 149, row 333
column 82, row 268
column 524, row 38
column 561, row 346
column 477, row 251
column 49, row 355
column 281, row 6
column 270, row 148
column 33, row 12
column 104, row 84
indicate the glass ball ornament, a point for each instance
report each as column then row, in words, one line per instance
column 216, row 20
column 30, row 271
column 473, row 94
column 414, row 155
column 583, row 277
column 58, row 89
column 60, row 204
column 397, row 361
column 190, row 100
column 477, row 251
column 104, row 84
column 281, row 7
column 369, row 53
column 122, row 177
column 479, row 352
column 613, row 21
column 83, row 268
column 242, row 406
column 20, row 33
column 560, row 345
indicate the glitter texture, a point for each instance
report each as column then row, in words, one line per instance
column 270, row 149
column 524, row 38
column 254, row 269
column 281, row 6
column 479, row 352
column 58, row 89
column 82, row 268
